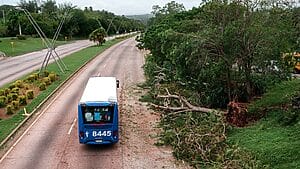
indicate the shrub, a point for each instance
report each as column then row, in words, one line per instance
column 15, row 105
column 15, row 90
column 47, row 80
column 19, row 83
column 4, row 98
column 6, row 91
column 3, row 101
column 52, row 77
column 42, row 86
column 9, row 110
column 11, row 86
column 30, row 94
column 26, row 86
column 21, row 37
column 33, row 77
column 12, row 97
column 22, row 100
column 2, row 92
column 291, row 112
column 46, row 73
column 36, row 76
column 30, row 78
column 9, row 98
column 3, row 31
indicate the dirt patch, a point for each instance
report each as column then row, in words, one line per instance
column 139, row 131
column 3, row 114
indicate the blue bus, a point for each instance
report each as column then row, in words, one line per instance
column 98, row 120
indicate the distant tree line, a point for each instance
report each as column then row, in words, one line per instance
column 78, row 23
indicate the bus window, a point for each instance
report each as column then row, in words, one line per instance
column 88, row 116
column 94, row 115
column 97, row 115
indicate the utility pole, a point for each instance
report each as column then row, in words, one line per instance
column 109, row 25
column 100, row 25
column 20, row 29
column 3, row 16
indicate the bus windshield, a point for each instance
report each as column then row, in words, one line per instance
column 97, row 114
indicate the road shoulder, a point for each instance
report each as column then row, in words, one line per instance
column 139, row 128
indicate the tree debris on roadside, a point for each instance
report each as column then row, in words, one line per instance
column 198, row 134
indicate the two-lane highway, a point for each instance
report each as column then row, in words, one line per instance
column 16, row 67
column 12, row 68
column 51, row 141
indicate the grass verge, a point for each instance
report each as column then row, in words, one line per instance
column 14, row 47
column 273, row 141
column 73, row 62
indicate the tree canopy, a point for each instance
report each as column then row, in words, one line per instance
column 98, row 36
column 222, row 50
column 220, row 55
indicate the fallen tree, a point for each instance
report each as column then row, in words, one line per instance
column 185, row 106
column 197, row 134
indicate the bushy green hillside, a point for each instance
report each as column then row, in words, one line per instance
column 274, row 140
column 219, row 53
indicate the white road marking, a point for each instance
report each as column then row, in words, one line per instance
column 26, row 131
column 70, row 130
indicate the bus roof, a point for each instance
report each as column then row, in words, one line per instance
column 100, row 89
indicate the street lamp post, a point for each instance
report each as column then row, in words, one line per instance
column 3, row 16
column 109, row 25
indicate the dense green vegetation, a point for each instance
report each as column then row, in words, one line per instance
column 275, row 138
column 207, row 57
column 98, row 36
column 78, row 23
column 222, row 51
column 14, row 46
column 74, row 61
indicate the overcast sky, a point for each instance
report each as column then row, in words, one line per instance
column 119, row 7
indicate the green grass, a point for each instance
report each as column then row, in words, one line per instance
column 274, row 144
column 73, row 62
column 279, row 95
column 22, row 46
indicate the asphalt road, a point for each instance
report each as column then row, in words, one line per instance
column 296, row 76
column 12, row 68
column 51, row 141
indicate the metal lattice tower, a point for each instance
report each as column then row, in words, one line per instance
column 50, row 45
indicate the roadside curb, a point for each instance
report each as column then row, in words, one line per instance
column 10, row 136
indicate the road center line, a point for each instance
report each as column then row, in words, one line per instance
column 70, row 130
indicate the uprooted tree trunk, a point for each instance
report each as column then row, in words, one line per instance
column 236, row 113
column 185, row 105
